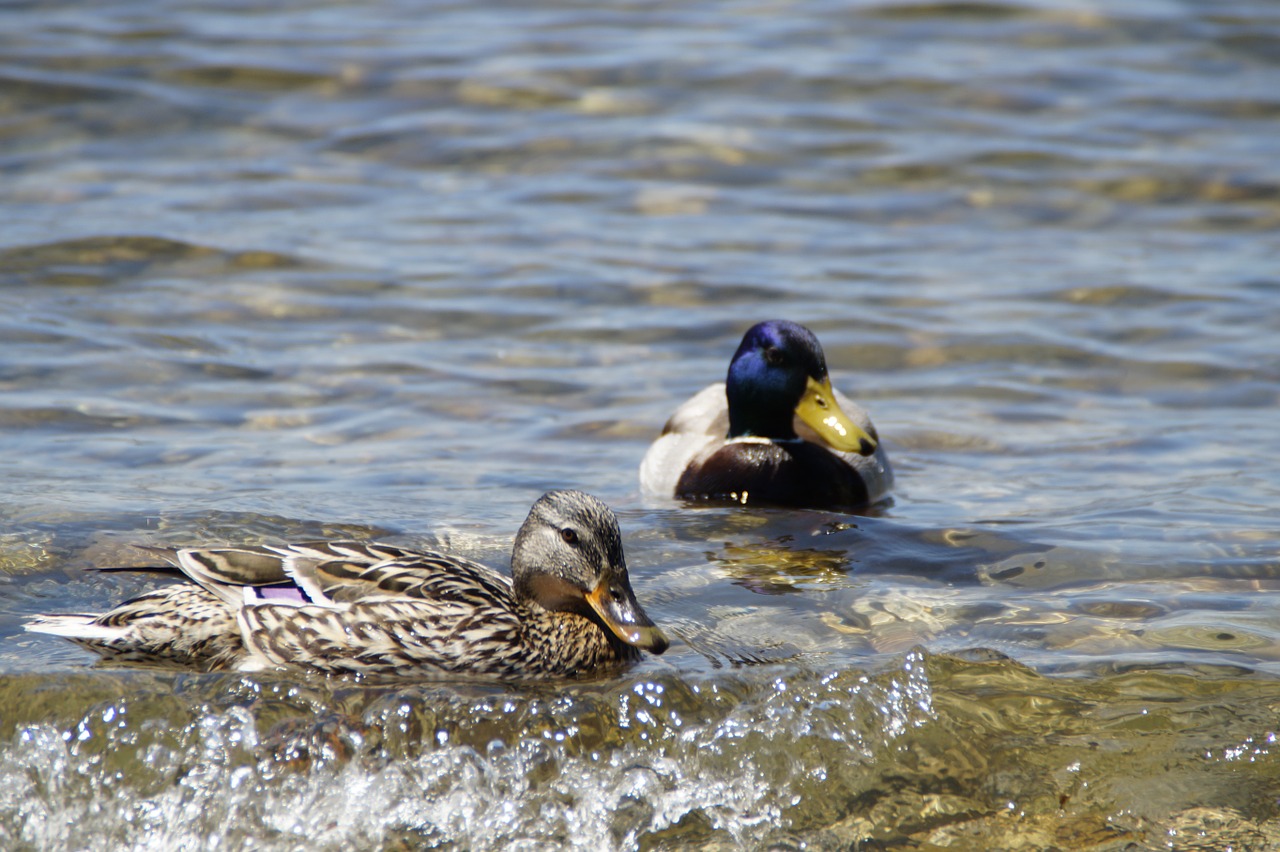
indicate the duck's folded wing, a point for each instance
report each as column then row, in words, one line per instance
column 704, row 413
column 226, row 571
column 362, row 552
column 695, row 430
column 418, row 576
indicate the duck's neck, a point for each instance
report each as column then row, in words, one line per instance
column 756, row 414
column 572, row 642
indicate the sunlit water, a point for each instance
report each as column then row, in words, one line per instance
column 392, row 270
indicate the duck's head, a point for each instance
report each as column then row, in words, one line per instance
column 778, row 374
column 568, row 558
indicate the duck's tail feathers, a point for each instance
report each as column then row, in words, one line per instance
column 74, row 626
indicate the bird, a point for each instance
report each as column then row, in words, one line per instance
column 347, row 607
column 775, row 432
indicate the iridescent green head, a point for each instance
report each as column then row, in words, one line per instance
column 779, row 373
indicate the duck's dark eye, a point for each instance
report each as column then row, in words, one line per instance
column 569, row 536
column 773, row 356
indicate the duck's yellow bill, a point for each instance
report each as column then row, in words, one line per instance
column 624, row 617
column 821, row 413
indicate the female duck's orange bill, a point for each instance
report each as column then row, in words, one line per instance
column 624, row 617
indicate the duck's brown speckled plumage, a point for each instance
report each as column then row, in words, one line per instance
column 427, row 613
column 348, row 607
column 177, row 624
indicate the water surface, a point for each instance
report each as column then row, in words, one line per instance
column 393, row 269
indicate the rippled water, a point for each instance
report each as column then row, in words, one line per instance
column 394, row 269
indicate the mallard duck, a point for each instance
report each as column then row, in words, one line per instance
column 774, row 432
column 346, row 606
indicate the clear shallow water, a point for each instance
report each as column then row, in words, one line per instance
column 390, row 270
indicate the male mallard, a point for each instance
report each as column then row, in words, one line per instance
column 774, row 432
column 351, row 607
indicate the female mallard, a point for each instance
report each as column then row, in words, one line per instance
column 774, row 432
column 350, row 607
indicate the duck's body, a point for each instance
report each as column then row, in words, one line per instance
column 348, row 607
column 775, row 433
column 694, row 458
